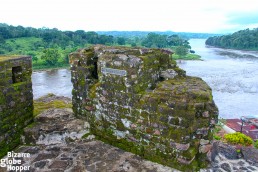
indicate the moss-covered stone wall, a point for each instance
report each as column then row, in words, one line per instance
column 139, row 100
column 16, row 100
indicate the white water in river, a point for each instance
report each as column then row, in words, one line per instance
column 232, row 75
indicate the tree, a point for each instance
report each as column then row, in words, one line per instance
column 33, row 56
column 133, row 44
column 5, row 32
column 2, row 40
column 104, row 39
column 181, row 51
column 121, row 41
column 92, row 37
column 174, row 40
column 154, row 40
column 243, row 39
column 50, row 56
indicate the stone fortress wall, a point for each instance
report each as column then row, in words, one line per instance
column 16, row 100
column 139, row 100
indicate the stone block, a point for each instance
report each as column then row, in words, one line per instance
column 250, row 154
column 223, row 149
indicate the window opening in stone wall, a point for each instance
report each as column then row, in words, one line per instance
column 161, row 79
column 95, row 70
column 17, row 74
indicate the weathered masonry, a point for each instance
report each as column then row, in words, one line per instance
column 139, row 100
column 16, row 100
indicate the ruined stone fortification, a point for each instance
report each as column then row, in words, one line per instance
column 16, row 99
column 139, row 100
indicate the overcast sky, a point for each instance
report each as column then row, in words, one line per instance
column 208, row 16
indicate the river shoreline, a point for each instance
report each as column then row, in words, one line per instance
column 51, row 68
column 247, row 50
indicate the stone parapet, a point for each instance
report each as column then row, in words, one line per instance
column 16, row 100
column 141, row 101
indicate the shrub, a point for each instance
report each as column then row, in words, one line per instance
column 256, row 144
column 216, row 137
column 238, row 138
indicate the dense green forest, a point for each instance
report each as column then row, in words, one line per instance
column 243, row 40
column 185, row 35
column 51, row 47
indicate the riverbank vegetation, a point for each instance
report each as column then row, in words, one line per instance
column 242, row 40
column 50, row 48
column 188, row 56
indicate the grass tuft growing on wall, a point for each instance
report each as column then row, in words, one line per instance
column 40, row 106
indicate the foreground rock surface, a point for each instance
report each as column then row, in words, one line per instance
column 77, row 154
column 86, row 156
column 55, row 126
column 58, row 145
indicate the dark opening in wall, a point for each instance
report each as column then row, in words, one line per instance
column 95, row 70
column 17, row 74
column 161, row 79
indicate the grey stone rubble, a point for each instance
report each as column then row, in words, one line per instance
column 54, row 126
column 221, row 163
column 224, row 157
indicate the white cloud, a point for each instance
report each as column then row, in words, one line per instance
column 175, row 15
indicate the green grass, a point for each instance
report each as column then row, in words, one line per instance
column 86, row 135
column 187, row 57
column 40, row 106
column 24, row 44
